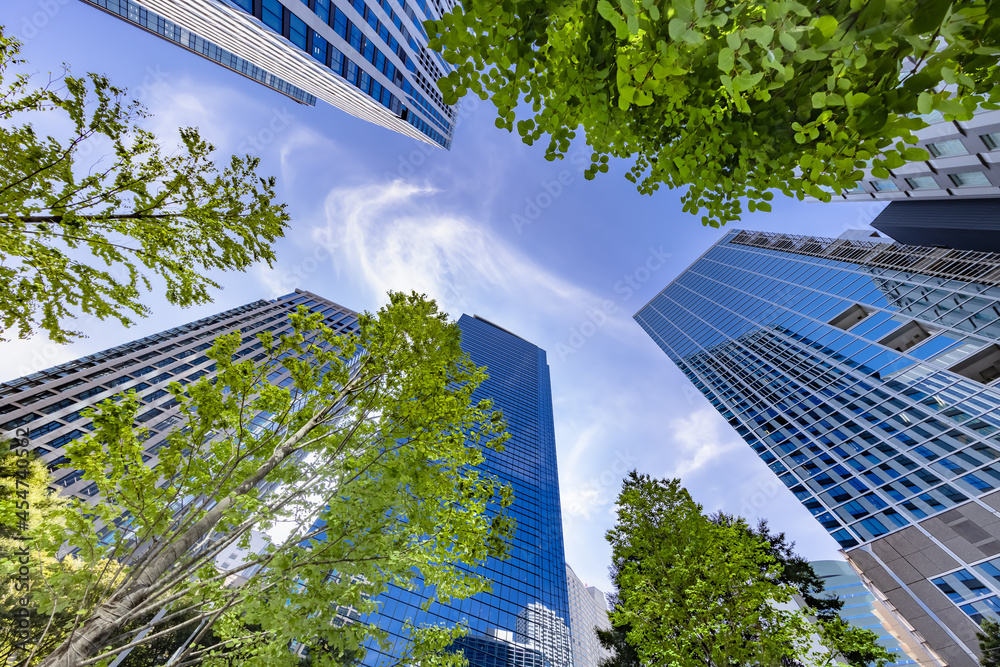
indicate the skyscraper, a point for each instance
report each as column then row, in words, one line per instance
column 960, row 155
column 366, row 57
column 588, row 611
column 963, row 224
column 863, row 374
column 49, row 403
column 524, row 622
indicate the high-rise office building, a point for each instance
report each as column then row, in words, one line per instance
column 588, row 611
column 524, row 621
column 366, row 57
column 959, row 164
column 862, row 609
column 49, row 403
column 963, row 224
column 864, row 374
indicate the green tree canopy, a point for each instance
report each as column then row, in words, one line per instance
column 694, row 590
column 370, row 455
column 989, row 643
column 733, row 99
column 86, row 235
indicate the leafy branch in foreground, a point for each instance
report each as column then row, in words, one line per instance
column 136, row 210
column 732, row 99
column 369, row 453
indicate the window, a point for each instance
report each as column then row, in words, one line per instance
column 319, row 48
column 992, row 140
column 884, row 185
column 947, row 148
column 64, row 439
column 983, row 366
column 850, row 317
column 905, row 337
column 874, row 526
column 272, row 13
column 297, row 31
column 323, row 10
column 922, row 183
column 969, row 179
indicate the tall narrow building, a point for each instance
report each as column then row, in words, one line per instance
column 50, row 403
column 366, row 57
column 864, row 374
column 525, row 621
column 588, row 612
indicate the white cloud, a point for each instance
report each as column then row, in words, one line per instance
column 699, row 441
column 390, row 237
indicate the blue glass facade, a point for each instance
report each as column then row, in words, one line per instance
column 862, row 609
column 864, row 375
column 373, row 47
column 524, row 622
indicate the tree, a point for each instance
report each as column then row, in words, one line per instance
column 84, row 238
column 989, row 643
column 369, row 453
column 695, row 590
column 731, row 99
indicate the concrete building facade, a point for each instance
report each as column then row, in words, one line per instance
column 588, row 612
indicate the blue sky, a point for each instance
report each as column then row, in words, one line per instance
column 373, row 210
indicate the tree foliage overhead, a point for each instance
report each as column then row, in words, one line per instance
column 731, row 98
column 369, row 454
column 695, row 590
column 82, row 233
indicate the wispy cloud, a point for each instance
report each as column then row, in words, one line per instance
column 392, row 237
column 700, row 439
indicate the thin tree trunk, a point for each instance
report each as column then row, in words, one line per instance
column 107, row 618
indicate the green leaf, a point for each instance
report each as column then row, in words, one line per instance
column 827, row 25
column 925, row 103
column 787, row 41
column 676, row 29
column 726, row 59
column 819, row 99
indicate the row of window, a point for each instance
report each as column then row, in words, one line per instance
column 968, row 179
column 273, row 15
column 134, row 13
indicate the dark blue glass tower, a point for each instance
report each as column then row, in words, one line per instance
column 524, row 622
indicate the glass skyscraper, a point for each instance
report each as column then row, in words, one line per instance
column 366, row 57
column 864, row 374
column 524, row 622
